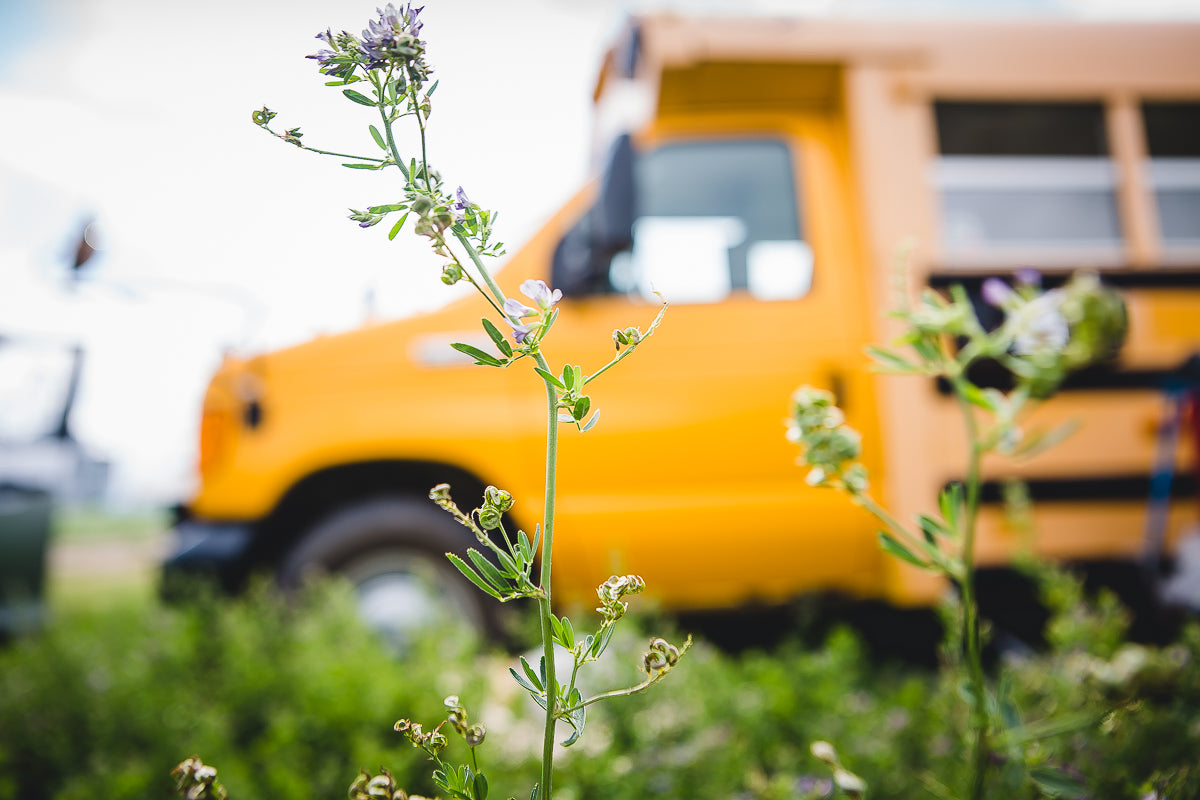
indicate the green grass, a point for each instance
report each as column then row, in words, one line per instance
column 89, row 523
column 115, row 563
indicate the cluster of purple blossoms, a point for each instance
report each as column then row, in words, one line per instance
column 340, row 61
column 1035, row 321
column 394, row 36
column 543, row 298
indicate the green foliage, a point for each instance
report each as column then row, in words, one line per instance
column 287, row 700
column 290, row 701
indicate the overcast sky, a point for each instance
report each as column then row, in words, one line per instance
column 217, row 236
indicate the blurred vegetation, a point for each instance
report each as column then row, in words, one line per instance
column 84, row 523
column 293, row 699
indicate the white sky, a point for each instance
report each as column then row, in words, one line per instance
column 217, row 235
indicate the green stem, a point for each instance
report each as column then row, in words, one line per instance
column 387, row 126
column 979, row 713
column 630, row 348
column 544, row 607
column 867, row 502
column 268, row 129
column 471, row 279
column 421, row 127
column 339, row 155
column 487, row 277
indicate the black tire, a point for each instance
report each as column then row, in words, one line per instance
column 393, row 551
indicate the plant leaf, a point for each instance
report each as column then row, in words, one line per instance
column 950, row 503
column 550, row 377
column 576, row 719
column 1056, row 783
column 568, row 633
column 507, row 562
column 396, row 228
column 472, row 576
column 358, row 97
column 497, row 337
column 892, row 546
column 890, row 362
column 1042, row 440
column 378, row 137
column 932, row 527
column 533, row 676
column 481, row 358
column 488, row 570
column 978, row 397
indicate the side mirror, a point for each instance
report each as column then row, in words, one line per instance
column 582, row 258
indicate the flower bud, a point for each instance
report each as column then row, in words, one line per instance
column 262, row 116
column 498, row 498
column 489, row 518
column 627, row 337
column 381, row 786
column 824, row 751
column 849, row 783
column 452, row 274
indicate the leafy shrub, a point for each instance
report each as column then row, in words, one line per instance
column 290, row 701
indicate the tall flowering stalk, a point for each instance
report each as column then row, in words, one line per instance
column 384, row 69
column 1044, row 336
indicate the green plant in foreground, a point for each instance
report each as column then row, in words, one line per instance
column 387, row 62
column 1044, row 336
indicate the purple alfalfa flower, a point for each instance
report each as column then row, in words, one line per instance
column 1028, row 276
column 461, row 204
column 996, row 292
column 394, row 34
column 521, row 332
column 412, row 26
column 516, row 309
column 539, row 292
column 337, row 62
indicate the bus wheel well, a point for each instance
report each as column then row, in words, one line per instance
column 320, row 494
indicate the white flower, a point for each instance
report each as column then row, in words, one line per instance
column 1039, row 325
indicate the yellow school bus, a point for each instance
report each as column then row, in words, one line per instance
column 762, row 174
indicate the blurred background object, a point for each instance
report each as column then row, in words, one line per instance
column 131, row 124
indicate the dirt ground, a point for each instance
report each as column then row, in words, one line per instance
column 107, row 557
